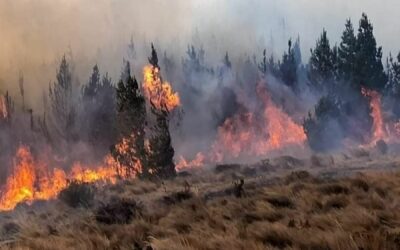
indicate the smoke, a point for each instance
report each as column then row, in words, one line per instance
column 35, row 34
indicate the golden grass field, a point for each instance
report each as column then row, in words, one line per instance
column 323, row 202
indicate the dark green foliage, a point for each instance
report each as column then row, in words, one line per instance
column 347, row 53
column 160, row 155
column 263, row 66
column 288, row 67
column 90, row 90
column 160, row 159
column 131, row 116
column 78, row 194
column 321, row 67
column 153, row 59
column 99, row 111
column 324, row 126
column 368, row 67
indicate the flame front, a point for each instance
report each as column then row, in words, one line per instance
column 249, row 135
column 158, row 92
column 31, row 180
column 198, row 161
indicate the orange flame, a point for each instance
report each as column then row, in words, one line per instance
column 198, row 161
column 31, row 180
column 158, row 92
column 248, row 135
column 378, row 129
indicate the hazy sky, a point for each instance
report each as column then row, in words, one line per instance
column 35, row 33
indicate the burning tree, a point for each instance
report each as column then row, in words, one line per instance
column 131, row 116
column 162, row 100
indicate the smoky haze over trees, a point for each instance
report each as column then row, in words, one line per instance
column 322, row 92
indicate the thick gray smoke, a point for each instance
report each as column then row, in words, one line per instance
column 36, row 33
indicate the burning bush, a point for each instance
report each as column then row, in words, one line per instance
column 78, row 194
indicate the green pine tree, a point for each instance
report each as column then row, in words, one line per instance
column 368, row 67
column 288, row 67
column 131, row 116
column 321, row 67
column 347, row 53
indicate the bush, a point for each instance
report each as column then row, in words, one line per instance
column 78, row 194
column 118, row 211
column 280, row 201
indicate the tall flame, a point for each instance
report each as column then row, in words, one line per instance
column 31, row 180
column 378, row 128
column 158, row 92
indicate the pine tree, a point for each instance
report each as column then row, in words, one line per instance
column 321, row 66
column 62, row 106
column 90, row 90
column 263, row 66
column 368, row 68
column 161, row 153
column 347, row 53
column 288, row 67
column 99, row 111
column 324, row 126
column 131, row 116
column 393, row 86
column 297, row 51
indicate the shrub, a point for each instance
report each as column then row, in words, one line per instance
column 78, row 194
column 280, row 201
column 118, row 211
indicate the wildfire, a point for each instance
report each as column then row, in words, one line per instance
column 198, row 161
column 158, row 92
column 378, row 128
column 31, row 180
column 248, row 134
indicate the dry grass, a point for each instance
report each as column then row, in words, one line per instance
column 313, row 209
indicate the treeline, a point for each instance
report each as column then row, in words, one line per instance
column 117, row 118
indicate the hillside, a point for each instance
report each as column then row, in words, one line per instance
column 323, row 202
